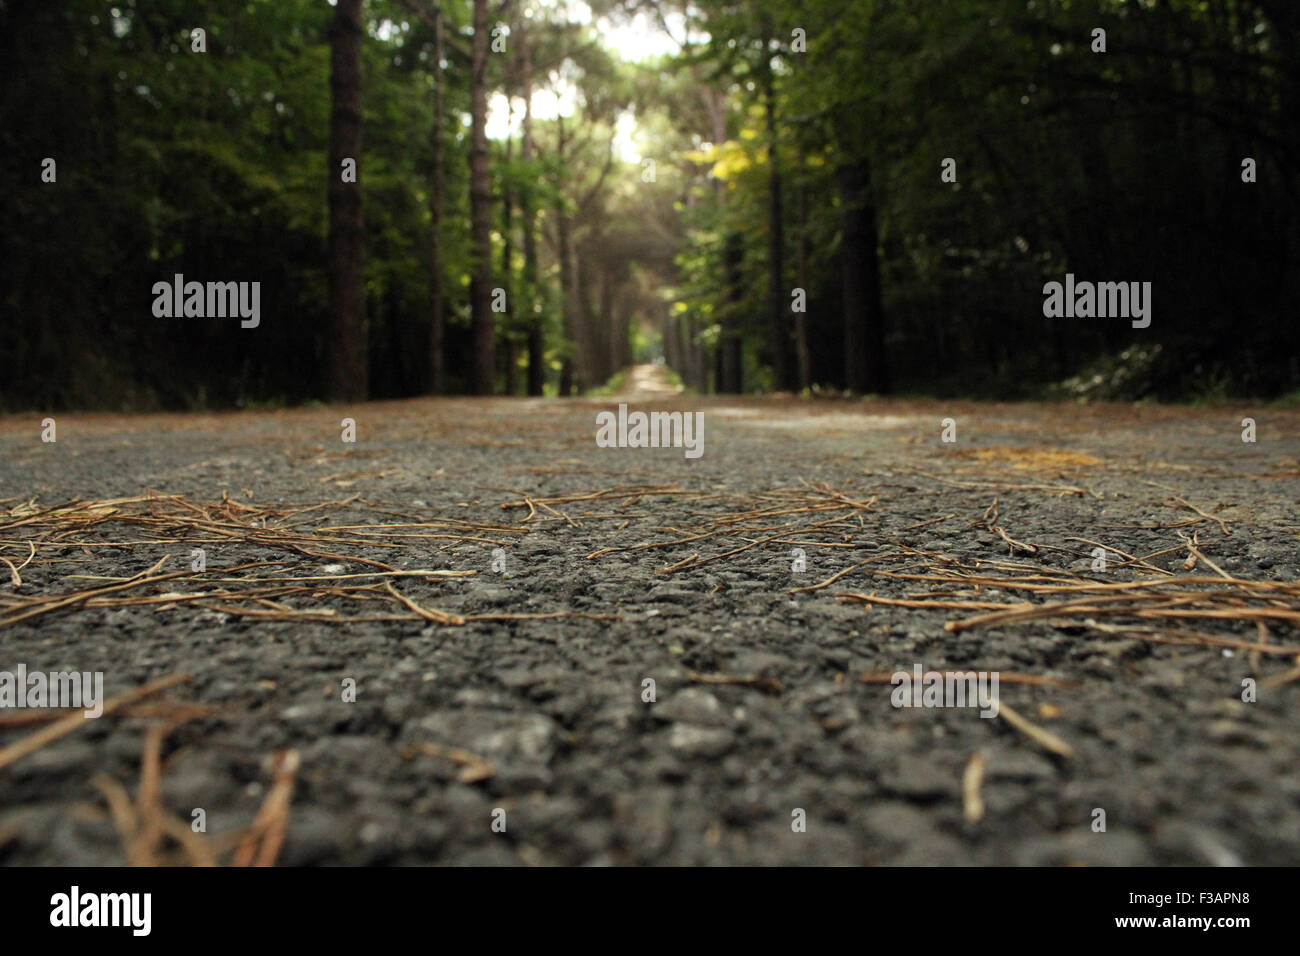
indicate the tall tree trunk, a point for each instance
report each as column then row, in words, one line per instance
column 693, row 366
column 668, row 335
column 778, row 294
column 588, row 369
column 604, row 334
column 536, row 331
column 699, row 356
column 727, row 372
column 508, row 264
column 564, row 243
column 347, row 351
column 801, row 279
column 436, row 382
column 508, row 200
column 865, row 369
column 484, row 366
column 718, row 372
column 615, row 320
column 731, row 377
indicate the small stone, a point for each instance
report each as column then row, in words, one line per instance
column 695, row 741
column 692, row 705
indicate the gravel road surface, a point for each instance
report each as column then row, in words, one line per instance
column 504, row 716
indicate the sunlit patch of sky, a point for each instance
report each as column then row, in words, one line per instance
column 635, row 39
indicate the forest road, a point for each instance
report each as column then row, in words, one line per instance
column 647, row 383
column 490, row 641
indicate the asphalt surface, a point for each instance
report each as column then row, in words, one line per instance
column 771, row 738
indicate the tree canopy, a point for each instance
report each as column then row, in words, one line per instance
column 823, row 195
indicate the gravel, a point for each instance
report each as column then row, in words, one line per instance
column 589, row 771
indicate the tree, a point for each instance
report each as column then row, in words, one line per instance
column 437, row 188
column 484, row 370
column 528, row 223
column 778, row 293
column 564, row 251
column 818, row 159
column 347, row 352
column 865, row 369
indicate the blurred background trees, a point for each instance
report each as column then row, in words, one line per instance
column 637, row 200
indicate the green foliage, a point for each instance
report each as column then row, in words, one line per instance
column 1119, row 166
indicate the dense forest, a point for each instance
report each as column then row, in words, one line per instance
column 526, row 196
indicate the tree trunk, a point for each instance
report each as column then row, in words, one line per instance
column 564, row 243
column 718, row 371
column 778, row 294
column 801, row 279
column 508, row 263
column 727, row 372
column 615, row 319
column 536, row 331
column 347, row 352
column 865, row 369
column 668, row 335
column 588, row 369
column 699, row 356
column 484, row 368
column 436, row 382
column 731, row 374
